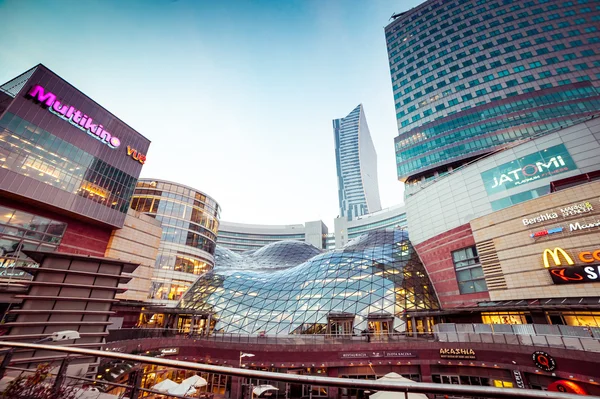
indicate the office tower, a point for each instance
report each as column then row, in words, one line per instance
column 356, row 162
column 471, row 76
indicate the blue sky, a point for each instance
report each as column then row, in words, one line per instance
column 237, row 97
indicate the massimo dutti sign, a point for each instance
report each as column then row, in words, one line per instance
column 549, row 162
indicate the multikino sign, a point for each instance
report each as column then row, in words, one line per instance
column 74, row 116
column 549, row 162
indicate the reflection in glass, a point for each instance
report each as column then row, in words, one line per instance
column 290, row 287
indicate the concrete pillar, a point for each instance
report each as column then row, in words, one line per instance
column 426, row 373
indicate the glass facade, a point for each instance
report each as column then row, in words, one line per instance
column 471, row 75
column 190, row 221
column 356, row 161
column 21, row 231
column 54, row 149
column 291, row 287
column 240, row 242
column 31, row 151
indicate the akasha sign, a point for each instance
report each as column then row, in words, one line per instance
column 549, row 162
column 71, row 114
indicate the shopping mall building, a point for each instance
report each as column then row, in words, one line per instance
column 70, row 246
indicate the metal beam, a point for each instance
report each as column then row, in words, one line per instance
column 373, row 385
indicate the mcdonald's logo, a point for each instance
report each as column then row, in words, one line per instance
column 555, row 255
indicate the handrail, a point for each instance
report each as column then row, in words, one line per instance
column 590, row 344
column 377, row 385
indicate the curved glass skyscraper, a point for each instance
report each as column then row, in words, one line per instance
column 356, row 162
column 470, row 76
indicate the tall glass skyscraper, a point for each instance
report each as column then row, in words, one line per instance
column 469, row 76
column 356, row 162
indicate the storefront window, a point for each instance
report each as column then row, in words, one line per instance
column 503, row 384
column 504, row 317
column 469, row 273
column 580, row 319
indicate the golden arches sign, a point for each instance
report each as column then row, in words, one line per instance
column 555, row 255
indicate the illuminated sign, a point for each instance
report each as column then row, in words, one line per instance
column 576, row 209
column 138, row 156
column 169, row 351
column 519, row 379
column 458, row 353
column 554, row 254
column 579, row 226
column 546, row 232
column 572, row 274
column 366, row 355
column 567, row 211
column 538, row 165
column 544, row 361
column 541, row 218
column 74, row 116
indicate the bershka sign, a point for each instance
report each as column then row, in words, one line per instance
column 543, row 217
column 74, row 116
column 531, row 167
column 567, row 211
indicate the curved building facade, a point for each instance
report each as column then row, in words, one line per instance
column 291, row 287
column 470, row 76
column 346, row 230
column 190, row 221
column 241, row 237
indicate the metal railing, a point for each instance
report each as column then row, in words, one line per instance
column 371, row 385
column 574, row 343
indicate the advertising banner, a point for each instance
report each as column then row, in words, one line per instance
column 549, row 162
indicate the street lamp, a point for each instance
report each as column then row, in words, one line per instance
column 54, row 337
column 242, row 354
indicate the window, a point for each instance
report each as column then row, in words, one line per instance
column 469, row 273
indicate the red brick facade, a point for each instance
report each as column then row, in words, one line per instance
column 436, row 255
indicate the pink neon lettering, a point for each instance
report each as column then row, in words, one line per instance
column 60, row 108
column 38, row 93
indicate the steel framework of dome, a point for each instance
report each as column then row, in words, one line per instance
column 291, row 287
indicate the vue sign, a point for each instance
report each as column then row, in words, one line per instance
column 549, row 162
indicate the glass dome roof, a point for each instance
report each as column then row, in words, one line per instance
column 292, row 287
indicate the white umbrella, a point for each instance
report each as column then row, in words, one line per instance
column 259, row 389
column 396, row 395
column 182, row 390
column 195, row 381
column 165, row 385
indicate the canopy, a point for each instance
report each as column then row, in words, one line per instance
column 396, row 395
column 165, row 385
column 195, row 381
column 182, row 390
column 259, row 389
